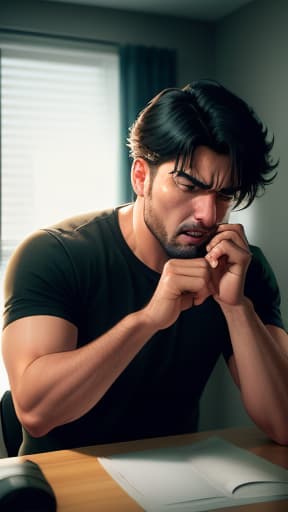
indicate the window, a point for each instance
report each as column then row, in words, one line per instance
column 59, row 126
column 59, row 136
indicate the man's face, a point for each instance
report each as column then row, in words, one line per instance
column 182, row 212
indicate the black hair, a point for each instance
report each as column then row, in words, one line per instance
column 205, row 113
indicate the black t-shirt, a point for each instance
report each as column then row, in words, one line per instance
column 83, row 270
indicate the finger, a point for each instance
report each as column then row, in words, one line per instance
column 237, row 237
column 186, row 267
column 197, row 285
column 190, row 300
column 234, row 252
column 237, row 228
column 185, row 264
column 188, row 277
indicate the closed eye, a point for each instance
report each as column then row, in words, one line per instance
column 186, row 185
column 226, row 197
column 184, row 181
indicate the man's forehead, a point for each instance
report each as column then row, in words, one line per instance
column 211, row 173
column 224, row 187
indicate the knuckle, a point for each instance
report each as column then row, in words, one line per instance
column 169, row 264
column 169, row 268
column 167, row 278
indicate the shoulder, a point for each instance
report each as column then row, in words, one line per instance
column 54, row 252
column 51, row 269
column 54, row 241
column 84, row 221
column 83, row 227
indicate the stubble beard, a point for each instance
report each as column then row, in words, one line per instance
column 171, row 247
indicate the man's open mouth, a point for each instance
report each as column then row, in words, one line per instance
column 194, row 236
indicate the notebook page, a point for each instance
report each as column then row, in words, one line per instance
column 202, row 476
column 236, row 470
column 161, row 476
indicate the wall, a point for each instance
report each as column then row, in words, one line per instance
column 251, row 59
column 193, row 40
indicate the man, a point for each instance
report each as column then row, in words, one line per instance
column 114, row 321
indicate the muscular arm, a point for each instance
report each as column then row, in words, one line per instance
column 260, row 368
column 260, row 361
column 52, row 381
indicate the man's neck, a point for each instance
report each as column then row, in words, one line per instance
column 139, row 238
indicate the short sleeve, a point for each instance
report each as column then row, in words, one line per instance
column 262, row 288
column 39, row 280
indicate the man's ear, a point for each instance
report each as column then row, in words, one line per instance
column 139, row 173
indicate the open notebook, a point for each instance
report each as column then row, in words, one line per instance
column 197, row 477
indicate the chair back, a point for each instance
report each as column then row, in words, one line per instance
column 10, row 427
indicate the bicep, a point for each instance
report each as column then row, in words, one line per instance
column 29, row 338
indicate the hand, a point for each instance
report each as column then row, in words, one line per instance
column 229, row 257
column 183, row 284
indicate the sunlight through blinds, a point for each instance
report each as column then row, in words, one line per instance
column 60, row 136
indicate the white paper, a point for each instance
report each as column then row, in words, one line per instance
column 201, row 476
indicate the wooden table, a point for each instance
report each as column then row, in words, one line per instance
column 82, row 485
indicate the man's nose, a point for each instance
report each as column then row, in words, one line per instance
column 205, row 208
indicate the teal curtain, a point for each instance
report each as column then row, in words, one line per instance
column 144, row 71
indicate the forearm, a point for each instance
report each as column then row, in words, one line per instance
column 262, row 365
column 61, row 387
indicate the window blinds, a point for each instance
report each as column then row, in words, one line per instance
column 59, row 136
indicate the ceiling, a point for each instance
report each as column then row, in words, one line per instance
column 204, row 10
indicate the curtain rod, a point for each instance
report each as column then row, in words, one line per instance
column 60, row 37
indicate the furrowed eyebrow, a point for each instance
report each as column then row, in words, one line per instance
column 230, row 191
column 227, row 191
column 193, row 180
